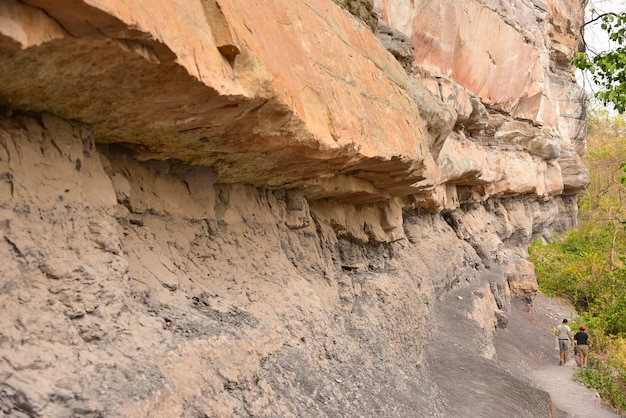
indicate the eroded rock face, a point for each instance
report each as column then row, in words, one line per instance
column 141, row 289
column 210, row 89
column 210, row 209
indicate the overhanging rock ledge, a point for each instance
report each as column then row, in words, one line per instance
column 271, row 207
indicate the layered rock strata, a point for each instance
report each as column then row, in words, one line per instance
column 211, row 209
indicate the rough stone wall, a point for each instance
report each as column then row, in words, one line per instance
column 147, row 289
column 209, row 213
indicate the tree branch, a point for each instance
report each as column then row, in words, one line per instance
column 600, row 16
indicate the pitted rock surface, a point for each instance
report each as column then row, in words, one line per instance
column 211, row 209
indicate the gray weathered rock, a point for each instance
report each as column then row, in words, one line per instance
column 208, row 213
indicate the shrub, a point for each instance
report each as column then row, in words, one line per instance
column 607, row 380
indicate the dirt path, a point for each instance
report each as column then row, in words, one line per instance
column 568, row 394
column 526, row 352
column 528, row 346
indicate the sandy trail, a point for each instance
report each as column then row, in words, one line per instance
column 528, row 347
column 567, row 393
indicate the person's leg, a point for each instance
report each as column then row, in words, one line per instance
column 562, row 351
column 565, row 348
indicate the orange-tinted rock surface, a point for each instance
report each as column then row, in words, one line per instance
column 259, row 97
column 253, row 208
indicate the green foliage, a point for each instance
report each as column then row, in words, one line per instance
column 606, row 144
column 602, row 378
column 575, row 266
column 607, row 67
column 587, row 265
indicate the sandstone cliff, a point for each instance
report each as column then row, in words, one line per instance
column 229, row 208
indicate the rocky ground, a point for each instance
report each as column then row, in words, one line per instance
column 529, row 351
column 146, row 290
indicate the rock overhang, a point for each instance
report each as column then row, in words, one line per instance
column 244, row 117
column 260, row 101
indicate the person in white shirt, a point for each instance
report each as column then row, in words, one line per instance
column 564, row 333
